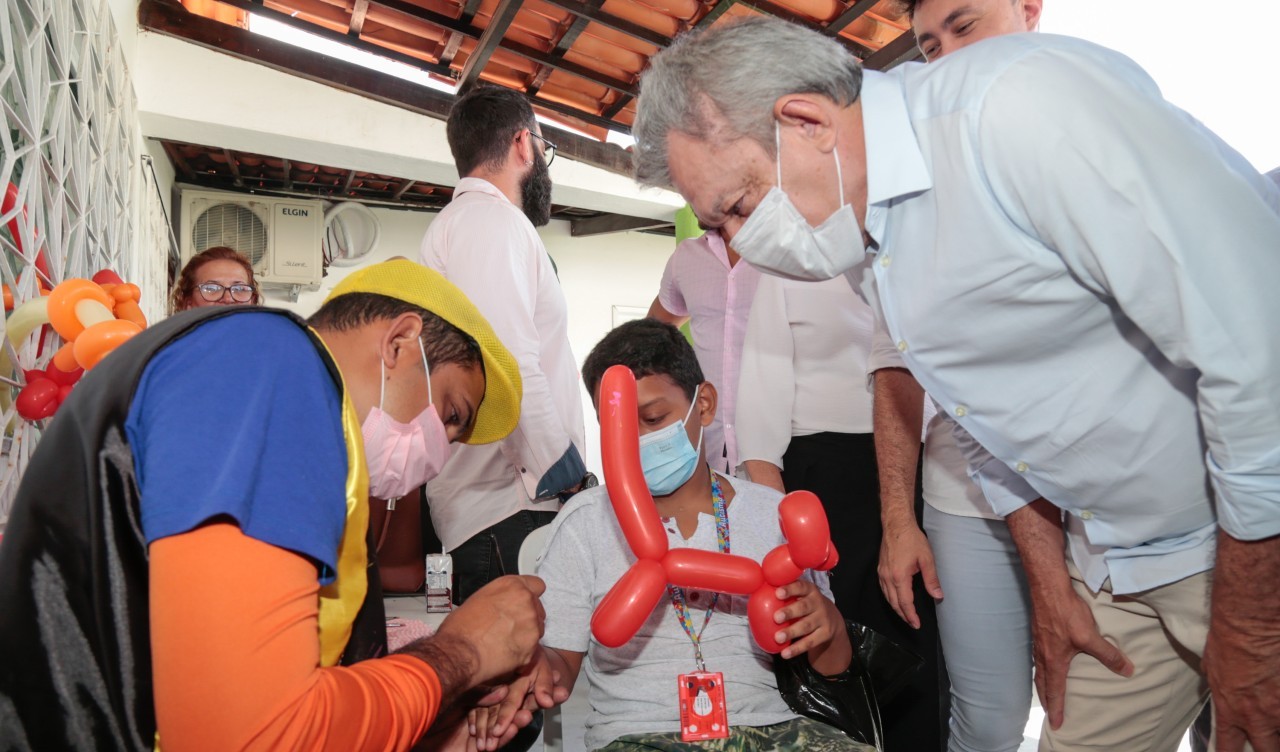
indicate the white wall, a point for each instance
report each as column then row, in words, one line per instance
column 596, row 273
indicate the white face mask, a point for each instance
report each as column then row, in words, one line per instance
column 778, row 239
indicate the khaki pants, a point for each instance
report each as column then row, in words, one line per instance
column 1163, row 632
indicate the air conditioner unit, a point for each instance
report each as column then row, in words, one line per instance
column 281, row 237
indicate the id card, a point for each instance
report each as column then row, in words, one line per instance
column 703, row 714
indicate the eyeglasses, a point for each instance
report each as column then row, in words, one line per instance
column 548, row 148
column 213, row 292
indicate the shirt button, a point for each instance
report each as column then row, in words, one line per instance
column 902, row 345
column 961, row 411
column 1021, row 467
column 884, row 261
column 1086, row 515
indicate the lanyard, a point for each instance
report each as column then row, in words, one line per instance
column 677, row 594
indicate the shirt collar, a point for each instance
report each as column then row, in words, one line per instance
column 479, row 185
column 895, row 165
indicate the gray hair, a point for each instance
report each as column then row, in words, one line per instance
column 736, row 71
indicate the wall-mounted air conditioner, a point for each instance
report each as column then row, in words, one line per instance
column 281, row 237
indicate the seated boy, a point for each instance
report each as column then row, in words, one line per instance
column 633, row 689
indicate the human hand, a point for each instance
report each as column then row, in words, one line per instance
column 904, row 551
column 817, row 628
column 499, row 626
column 1062, row 626
column 1242, row 662
column 536, row 686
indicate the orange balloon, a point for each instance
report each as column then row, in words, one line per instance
column 128, row 310
column 62, row 305
column 8, row 298
column 126, row 291
column 98, row 340
column 628, row 603
column 65, row 358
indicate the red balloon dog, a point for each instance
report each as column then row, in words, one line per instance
column 630, row 601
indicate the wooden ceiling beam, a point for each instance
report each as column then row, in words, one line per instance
column 350, row 181
column 714, row 14
column 287, row 168
column 610, row 223
column 451, row 48
column 771, row 8
column 358, row 13
column 489, row 42
column 853, row 13
column 400, row 191
column 235, row 169
column 585, row 10
column 617, row 106
column 901, row 50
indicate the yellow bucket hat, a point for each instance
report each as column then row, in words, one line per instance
column 414, row 283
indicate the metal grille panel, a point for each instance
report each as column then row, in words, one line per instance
column 69, row 149
column 233, row 225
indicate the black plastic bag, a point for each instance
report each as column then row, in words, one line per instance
column 850, row 701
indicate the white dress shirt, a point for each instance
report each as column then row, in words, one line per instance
column 1085, row 279
column 804, row 365
column 698, row 282
column 486, row 246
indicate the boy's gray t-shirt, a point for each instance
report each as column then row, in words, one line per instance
column 632, row 689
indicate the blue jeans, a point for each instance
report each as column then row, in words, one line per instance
column 984, row 621
column 493, row 552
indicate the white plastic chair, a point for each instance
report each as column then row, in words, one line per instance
column 527, row 563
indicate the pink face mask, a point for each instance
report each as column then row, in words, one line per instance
column 403, row 456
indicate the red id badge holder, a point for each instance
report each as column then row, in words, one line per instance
column 703, row 714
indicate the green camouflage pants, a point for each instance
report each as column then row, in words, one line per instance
column 796, row 735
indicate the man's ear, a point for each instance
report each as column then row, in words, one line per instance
column 522, row 148
column 1031, row 11
column 399, row 340
column 707, row 400
column 812, row 115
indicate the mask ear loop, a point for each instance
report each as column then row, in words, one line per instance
column 427, row 371
column 777, row 149
column 689, row 415
column 382, row 384
column 839, row 178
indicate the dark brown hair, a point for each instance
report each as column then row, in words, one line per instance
column 185, row 288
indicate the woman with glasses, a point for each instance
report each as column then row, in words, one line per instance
column 217, row 276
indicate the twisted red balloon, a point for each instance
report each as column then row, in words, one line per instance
column 630, row 601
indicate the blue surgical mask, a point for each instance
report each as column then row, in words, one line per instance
column 667, row 457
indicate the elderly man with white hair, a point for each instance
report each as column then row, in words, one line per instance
column 1083, row 278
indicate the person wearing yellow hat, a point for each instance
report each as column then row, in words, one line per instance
column 186, row 565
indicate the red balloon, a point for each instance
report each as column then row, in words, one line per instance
column 833, row 558
column 763, row 605
column 623, row 476
column 38, row 400
column 711, row 570
column 779, row 569
column 628, row 603
column 64, row 391
column 61, row 377
column 107, row 277
column 804, row 525
column 33, row 374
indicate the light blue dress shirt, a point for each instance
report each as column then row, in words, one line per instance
column 1087, row 281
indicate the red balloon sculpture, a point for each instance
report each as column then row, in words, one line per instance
column 630, row 601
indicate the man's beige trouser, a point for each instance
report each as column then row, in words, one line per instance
column 1163, row 631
